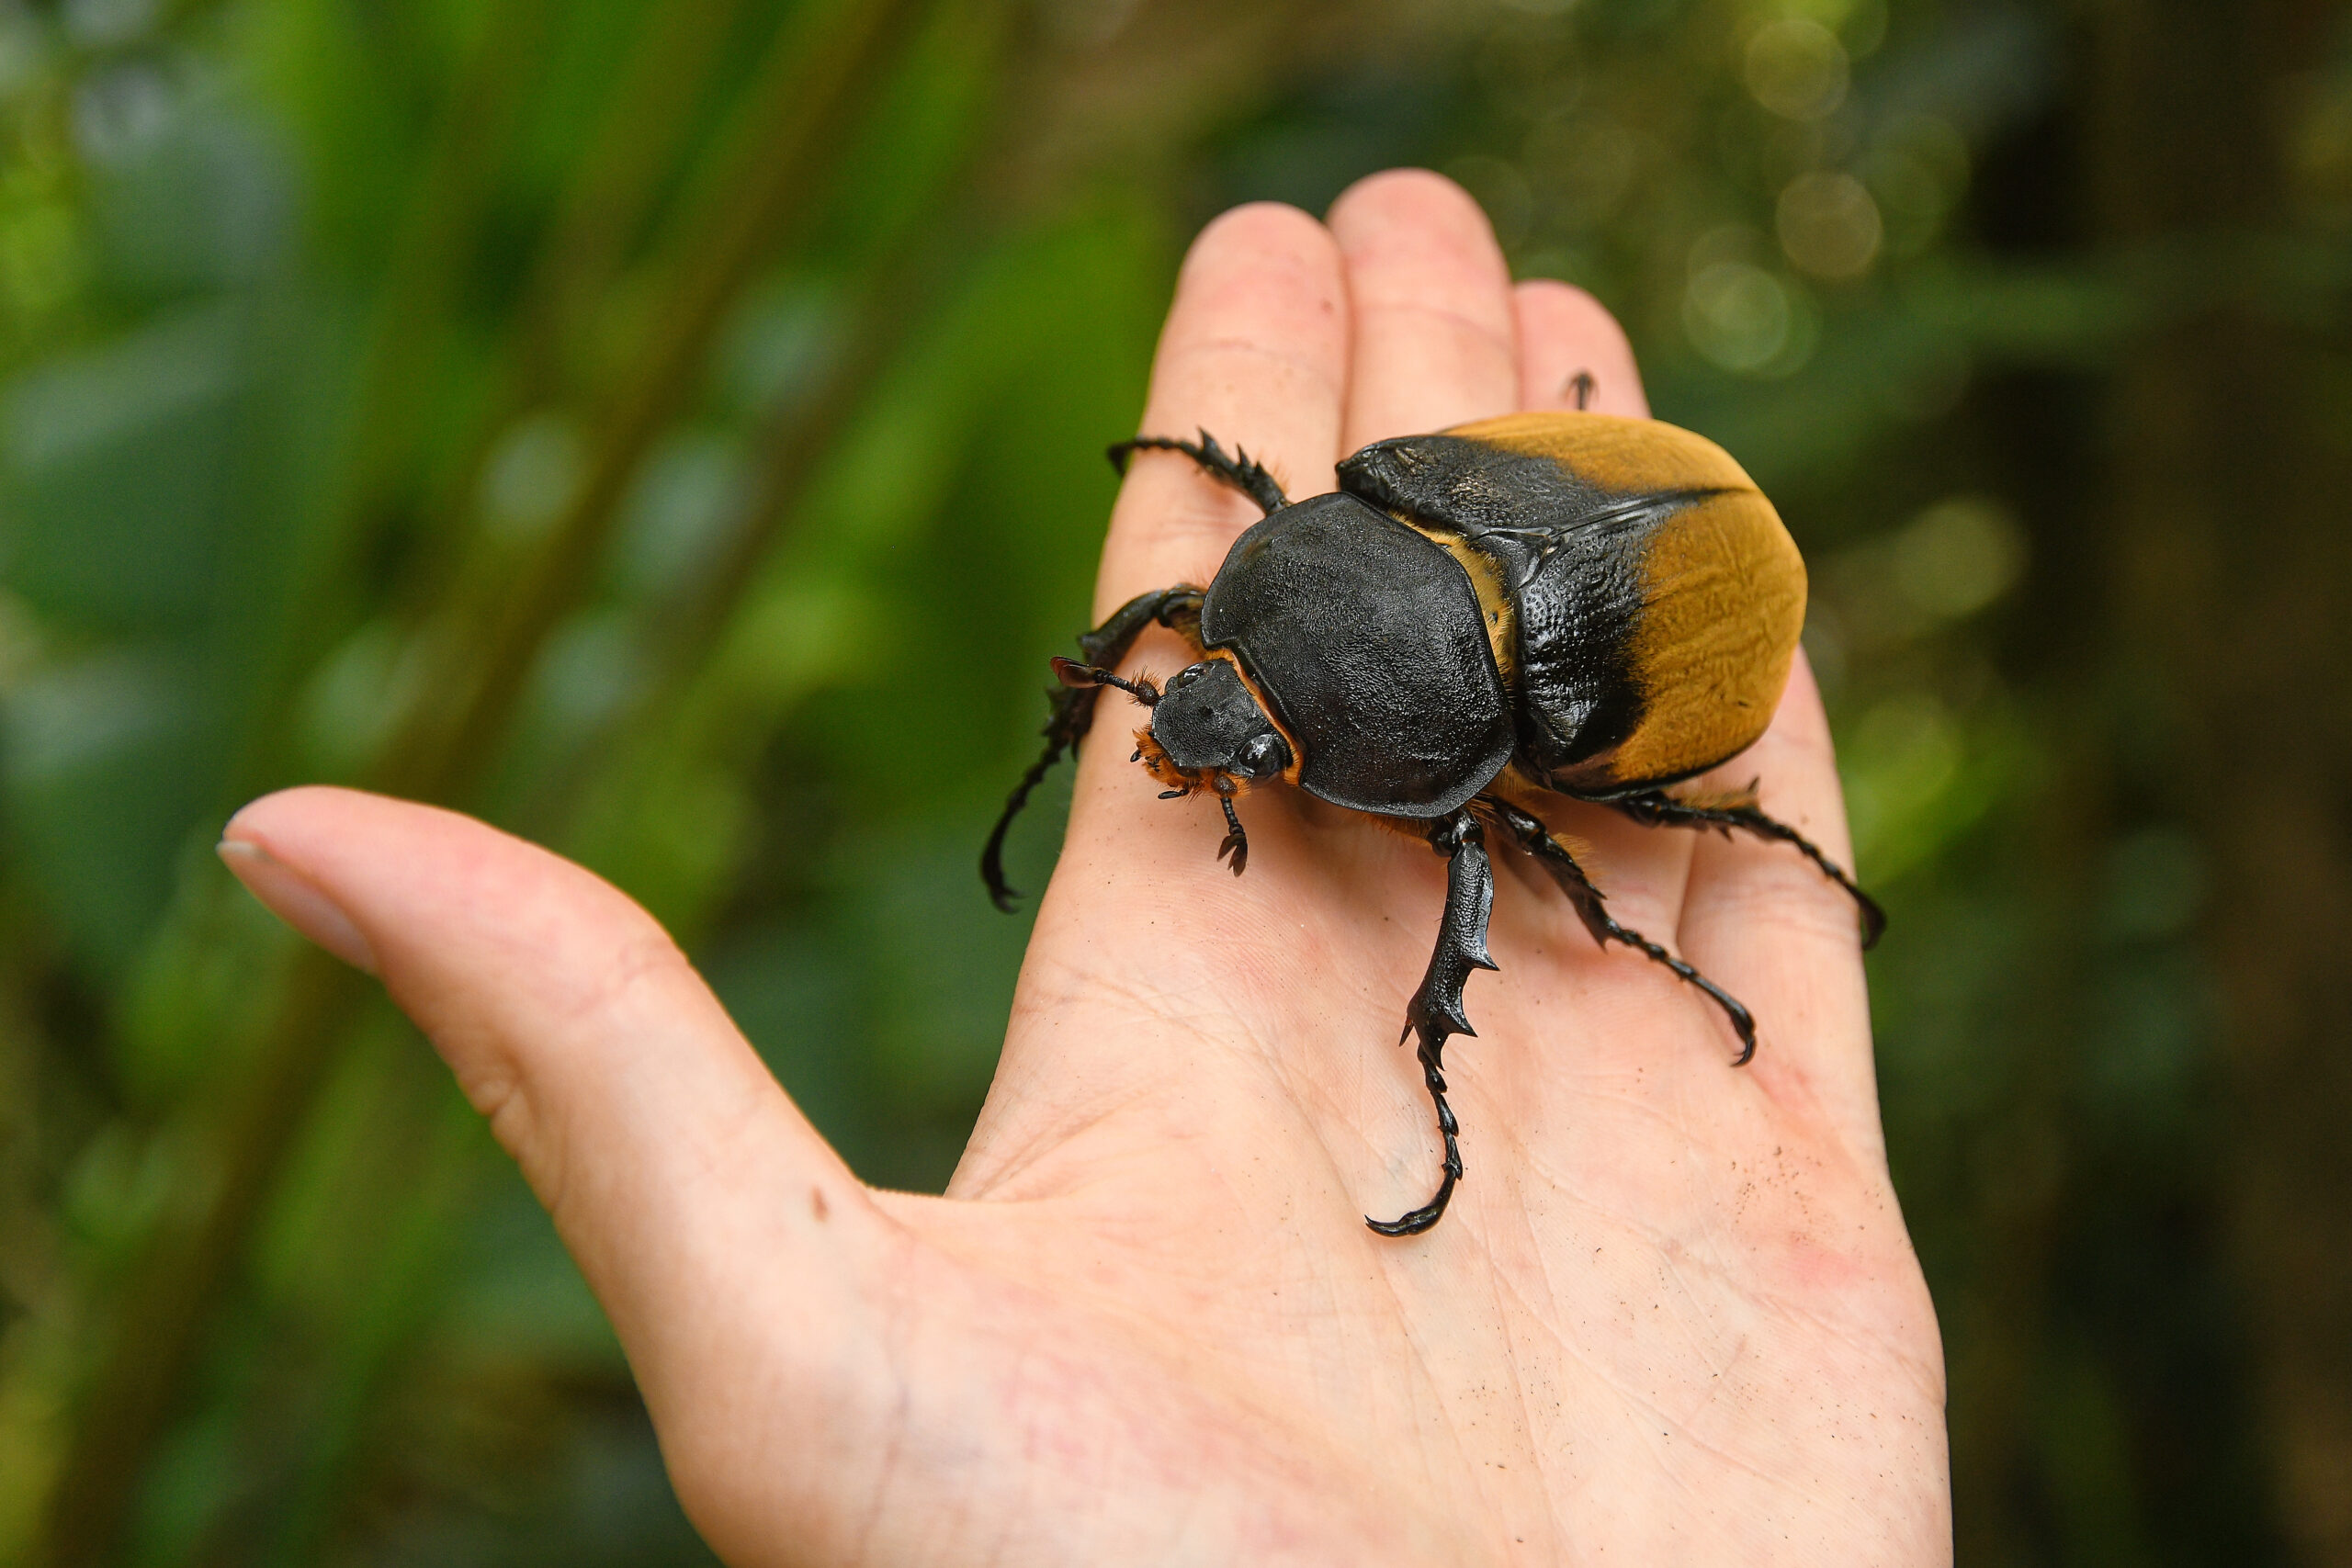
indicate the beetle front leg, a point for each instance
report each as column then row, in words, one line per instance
column 1589, row 901
column 1239, row 471
column 1177, row 608
column 1235, row 849
column 1435, row 1012
column 1656, row 809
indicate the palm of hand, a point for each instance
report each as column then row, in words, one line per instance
column 1671, row 1316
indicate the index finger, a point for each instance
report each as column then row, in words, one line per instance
column 1255, row 352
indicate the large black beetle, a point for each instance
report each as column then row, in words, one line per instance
column 1561, row 603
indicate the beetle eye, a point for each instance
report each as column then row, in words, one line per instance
column 1182, row 678
column 1261, row 756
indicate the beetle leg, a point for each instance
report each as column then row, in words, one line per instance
column 1239, row 471
column 1589, row 901
column 1435, row 1012
column 1656, row 808
column 1177, row 608
column 1235, row 846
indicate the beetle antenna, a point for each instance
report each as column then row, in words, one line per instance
column 1077, row 676
column 1236, row 847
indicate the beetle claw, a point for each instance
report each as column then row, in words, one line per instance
column 1236, row 847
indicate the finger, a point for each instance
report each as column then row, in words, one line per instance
column 678, row 1173
column 1255, row 352
column 1435, row 338
column 1766, row 924
column 1564, row 333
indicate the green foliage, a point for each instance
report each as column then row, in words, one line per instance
column 673, row 431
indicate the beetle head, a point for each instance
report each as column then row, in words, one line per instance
column 1208, row 723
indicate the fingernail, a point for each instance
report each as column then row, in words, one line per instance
column 294, row 899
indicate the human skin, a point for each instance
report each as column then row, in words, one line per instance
column 1671, row 1317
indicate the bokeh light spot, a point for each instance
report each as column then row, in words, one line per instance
column 1797, row 68
column 1740, row 317
column 1959, row 555
column 1828, row 225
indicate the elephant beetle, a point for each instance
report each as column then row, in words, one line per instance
column 1551, row 605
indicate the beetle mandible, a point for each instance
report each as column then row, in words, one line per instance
column 1550, row 604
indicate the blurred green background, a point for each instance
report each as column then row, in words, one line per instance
column 544, row 407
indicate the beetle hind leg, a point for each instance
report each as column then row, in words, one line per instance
column 1435, row 1012
column 1656, row 808
column 1590, row 905
column 1239, row 469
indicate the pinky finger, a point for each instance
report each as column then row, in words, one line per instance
column 1764, row 921
column 1565, row 333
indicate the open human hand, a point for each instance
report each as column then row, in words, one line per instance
column 1672, row 1315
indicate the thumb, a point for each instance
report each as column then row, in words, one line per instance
column 696, row 1199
